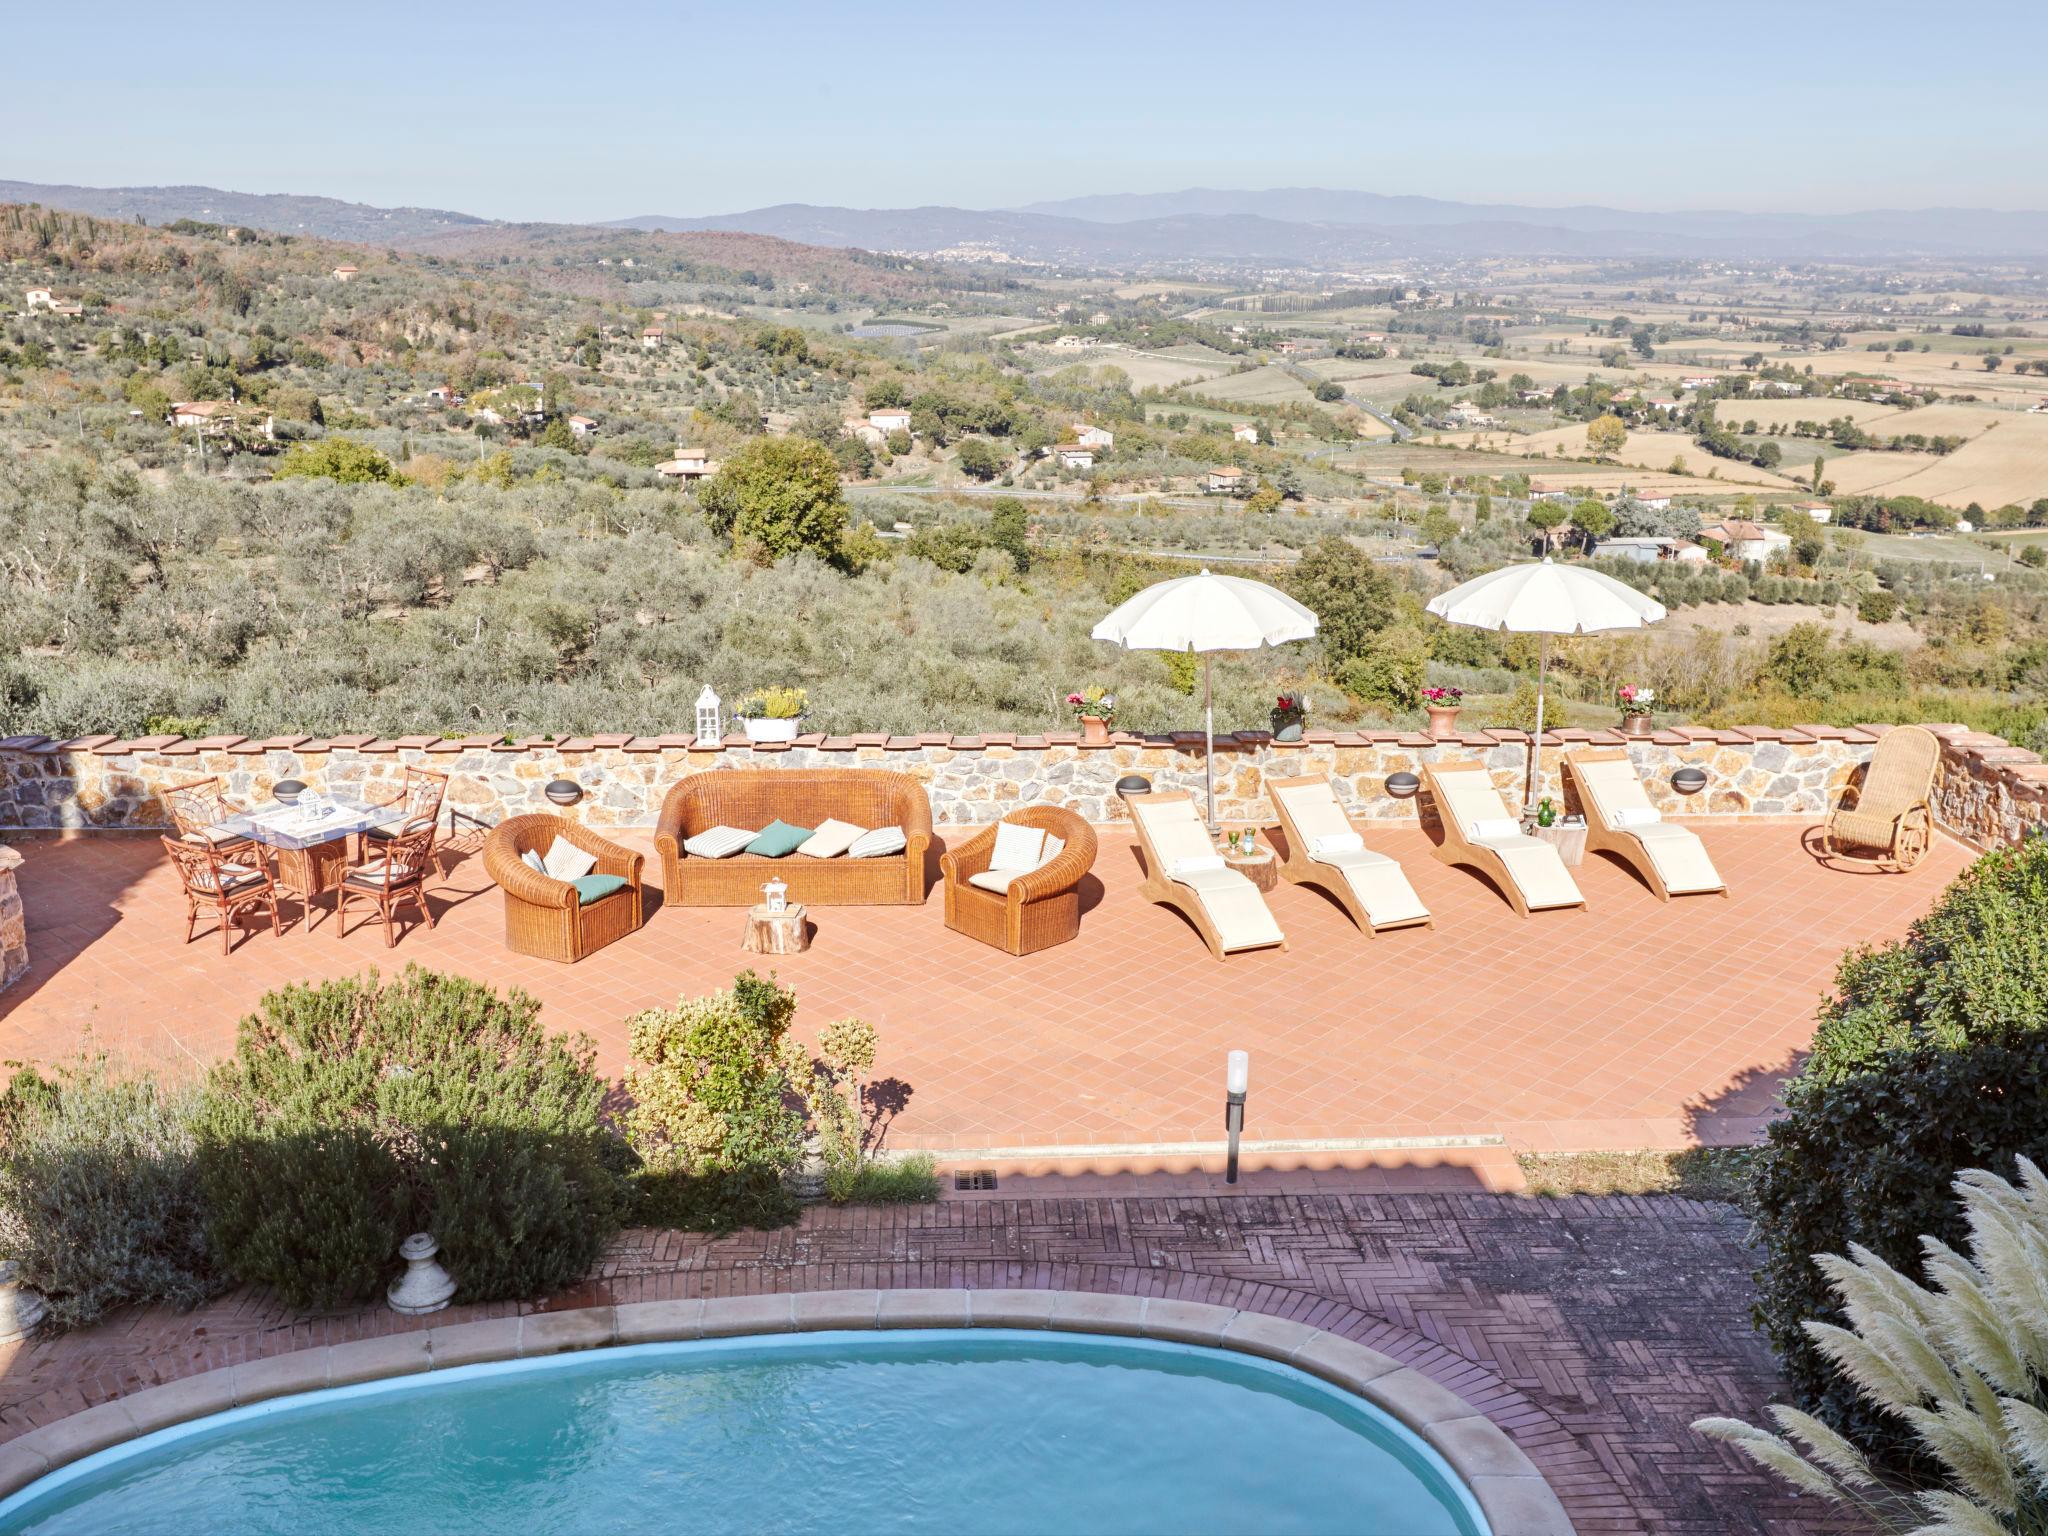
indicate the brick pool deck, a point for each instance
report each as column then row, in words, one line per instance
column 1629, row 1024
column 1592, row 1331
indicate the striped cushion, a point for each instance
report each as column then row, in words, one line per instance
column 878, row 844
column 233, row 878
column 718, row 843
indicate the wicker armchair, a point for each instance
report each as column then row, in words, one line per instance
column 397, row 874
column 215, row 883
column 1040, row 909
column 543, row 917
column 197, row 810
column 1892, row 814
column 803, row 797
column 420, row 792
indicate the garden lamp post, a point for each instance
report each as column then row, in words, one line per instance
column 1237, row 1071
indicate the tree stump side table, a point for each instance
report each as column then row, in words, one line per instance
column 1569, row 841
column 777, row 933
column 1260, row 867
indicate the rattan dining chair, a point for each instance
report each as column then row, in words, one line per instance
column 197, row 811
column 1892, row 814
column 421, row 793
column 399, row 872
column 216, row 883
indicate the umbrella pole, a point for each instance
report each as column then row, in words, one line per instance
column 1209, row 744
column 1536, row 742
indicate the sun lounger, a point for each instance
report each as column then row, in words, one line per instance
column 1184, row 871
column 1620, row 820
column 1481, row 833
column 1325, row 850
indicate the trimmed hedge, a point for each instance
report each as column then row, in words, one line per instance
column 1932, row 1058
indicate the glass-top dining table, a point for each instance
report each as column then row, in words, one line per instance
column 311, row 838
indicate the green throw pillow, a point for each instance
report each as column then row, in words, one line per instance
column 779, row 839
column 596, row 887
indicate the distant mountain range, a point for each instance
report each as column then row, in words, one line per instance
column 1298, row 226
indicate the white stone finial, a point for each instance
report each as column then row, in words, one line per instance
column 425, row 1286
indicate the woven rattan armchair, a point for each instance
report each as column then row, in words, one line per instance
column 543, row 916
column 1892, row 815
column 197, row 809
column 398, row 874
column 215, row 883
column 1039, row 909
column 421, row 793
column 803, row 797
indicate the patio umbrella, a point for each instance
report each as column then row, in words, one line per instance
column 1202, row 614
column 1543, row 598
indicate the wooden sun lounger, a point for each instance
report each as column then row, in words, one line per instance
column 1672, row 860
column 1370, row 886
column 1225, row 907
column 1527, row 869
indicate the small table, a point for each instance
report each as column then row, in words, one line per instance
column 777, row 933
column 1258, row 866
column 312, row 854
column 1570, row 842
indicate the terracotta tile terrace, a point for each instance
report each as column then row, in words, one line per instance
column 1629, row 1024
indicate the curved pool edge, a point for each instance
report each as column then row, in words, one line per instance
column 1514, row 1497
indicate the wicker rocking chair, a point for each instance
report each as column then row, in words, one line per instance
column 1890, row 819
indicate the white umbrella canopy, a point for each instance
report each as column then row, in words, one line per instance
column 1201, row 614
column 1544, row 598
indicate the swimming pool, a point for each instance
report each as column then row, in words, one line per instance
column 995, row 1430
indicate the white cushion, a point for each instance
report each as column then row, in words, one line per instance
column 217, row 834
column 232, row 878
column 1337, row 842
column 1636, row 816
column 878, row 844
column 1017, row 847
column 718, row 842
column 1180, row 869
column 565, row 861
column 1054, row 847
column 997, row 880
column 832, row 839
column 1493, row 826
column 532, row 861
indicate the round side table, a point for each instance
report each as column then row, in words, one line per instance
column 1259, row 867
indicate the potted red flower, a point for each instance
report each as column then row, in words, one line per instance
column 1096, row 710
column 1290, row 712
column 1443, row 705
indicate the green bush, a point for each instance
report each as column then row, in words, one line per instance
column 1929, row 1060
column 99, row 1193
column 354, row 1112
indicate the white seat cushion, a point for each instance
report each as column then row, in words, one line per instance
column 233, row 877
column 375, row 876
column 565, row 861
column 1206, row 864
column 831, row 839
column 997, row 880
column 718, row 842
column 1632, row 817
column 532, row 861
column 878, row 844
column 1054, row 847
column 1017, row 847
column 1488, row 828
column 217, row 834
column 1336, row 842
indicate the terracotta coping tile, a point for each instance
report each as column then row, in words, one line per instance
column 1823, row 732
column 1384, row 736
column 87, row 743
column 416, row 743
column 487, row 739
column 870, row 738
column 379, row 747
column 697, row 745
column 351, row 741
column 2004, row 755
column 673, row 741
column 837, row 744
column 1735, row 737
column 1570, row 733
column 25, row 743
column 998, row 739
column 503, row 746
column 1608, row 738
column 901, row 743
column 1062, row 738
column 1860, row 735
column 1320, row 738
column 247, row 749
column 218, row 743
column 965, row 743
column 180, row 748
column 611, row 741
column 935, row 739
column 1416, row 739
column 139, row 744
column 1188, row 738
column 577, row 744
column 1689, row 732
column 113, row 746
column 1504, row 736
column 809, row 739
column 643, row 744
column 1348, row 739
column 771, row 746
column 1024, row 743
column 286, row 743
column 316, row 744
column 1878, row 728
column 1672, row 739
column 450, row 744
column 2029, row 773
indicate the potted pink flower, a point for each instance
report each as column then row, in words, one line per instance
column 1095, row 708
column 1636, row 704
column 1443, row 705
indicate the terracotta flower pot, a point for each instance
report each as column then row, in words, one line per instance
column 1637, row 725
column 1094, row 731
column 1443, row 720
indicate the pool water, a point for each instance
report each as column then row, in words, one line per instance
column 939, row 1431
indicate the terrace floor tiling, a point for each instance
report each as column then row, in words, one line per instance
column 1629, row 1024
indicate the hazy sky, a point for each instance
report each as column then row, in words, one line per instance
column 569, row 111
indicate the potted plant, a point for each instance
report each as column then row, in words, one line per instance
column 1290, row 713
column 1095, row 708
column 772, row 714
column 1443, row 705
column 1635, row 709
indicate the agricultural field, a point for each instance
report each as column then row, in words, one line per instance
column 1271, row 385
column 1644, row 450
column 1787, row 412
column 2008, row 463
column 1150, row 369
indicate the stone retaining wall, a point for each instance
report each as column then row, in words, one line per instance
column 13, row 923
column 1989, row 791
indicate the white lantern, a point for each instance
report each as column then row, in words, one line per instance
column 710, row 723
column 775, row 896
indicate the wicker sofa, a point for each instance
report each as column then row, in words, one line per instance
column 542, row 915
column 1038, row 910
column 803, row 797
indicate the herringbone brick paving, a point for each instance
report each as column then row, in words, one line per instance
column 1592, row 1330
